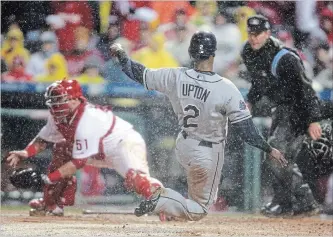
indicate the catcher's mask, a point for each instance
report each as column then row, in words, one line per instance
column 322, row 148
column 57, row 96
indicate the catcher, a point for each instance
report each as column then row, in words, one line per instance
column 85, row 134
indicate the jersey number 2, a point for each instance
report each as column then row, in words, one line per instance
column 189, row 116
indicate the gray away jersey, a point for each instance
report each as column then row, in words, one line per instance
column 202, row 102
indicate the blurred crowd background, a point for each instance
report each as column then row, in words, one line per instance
column 44, row 41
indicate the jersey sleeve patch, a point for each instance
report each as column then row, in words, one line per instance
column 242, row 105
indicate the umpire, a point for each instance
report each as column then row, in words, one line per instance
column 278, row 73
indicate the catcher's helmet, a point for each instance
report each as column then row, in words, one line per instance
column 203, row 45
column 57, row 96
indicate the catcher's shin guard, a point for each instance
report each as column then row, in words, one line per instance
column 67, row 198
column 61, row 193
column 51, row 193
column 141, row 183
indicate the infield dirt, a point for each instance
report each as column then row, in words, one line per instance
column 74, row 223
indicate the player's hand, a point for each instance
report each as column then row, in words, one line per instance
column 314, row 131
column 278, row 156
column 16, row 156
column 116, row 50
column 249, row 106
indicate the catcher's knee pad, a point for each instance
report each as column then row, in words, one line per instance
column 67, row 197
column 141, row 183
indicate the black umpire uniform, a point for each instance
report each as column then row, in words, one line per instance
column 278, row 73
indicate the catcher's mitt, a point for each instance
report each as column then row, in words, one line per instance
column 27, row 179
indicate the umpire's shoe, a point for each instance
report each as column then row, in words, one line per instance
column 276, row 210
column 328, row 209
column 309, row 210
column 148, row 206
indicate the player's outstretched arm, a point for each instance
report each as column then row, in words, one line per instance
column 132, row 69
column 67, row 170
column 35, row 146
column 250, row 134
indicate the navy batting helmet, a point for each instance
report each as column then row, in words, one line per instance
column 203, row 45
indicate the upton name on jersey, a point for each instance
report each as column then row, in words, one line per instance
column 195, row 91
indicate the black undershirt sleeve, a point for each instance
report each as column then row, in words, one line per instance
column 250, row 134
column 132, row 69
column 326, row 109
column 291, row 69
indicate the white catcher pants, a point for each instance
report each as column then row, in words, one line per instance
column 203, row 166
column 124, row 151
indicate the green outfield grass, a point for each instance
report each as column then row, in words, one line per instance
column 14, row 207
column 26, row 208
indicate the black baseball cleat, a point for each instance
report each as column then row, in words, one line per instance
column 148, row 206
column 266, row 207
column 327, row 210
column 309, row 210
column 276, row 210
